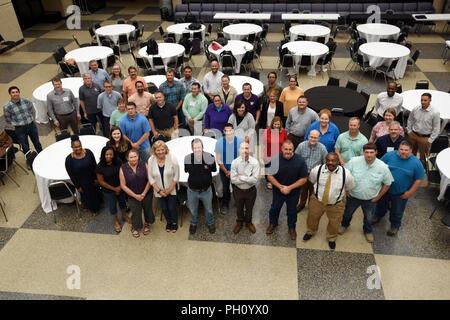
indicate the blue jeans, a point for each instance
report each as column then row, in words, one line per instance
column 169, row 208
column 112, row 199
column 192, row 203
column 368, row 207
column 397, row 208
column 92, row 119
column 29, row 130
column 144, row 154
column 291, row 207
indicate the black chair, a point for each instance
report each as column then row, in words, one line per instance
column 333, row 82
column 248, row 58
column 227, row 63
column 197, row 35
column 325, row 61
column 124, row 43
column 352, row 85
column 110, row 61
column 301, row 37
column 446, row 201
column 422, row 84
column 152, row 88
column 399, row 88
column 68, row 71
column 341, row 25
column 208, row 31
column 305, row 61
column 177, row 64
column 439, row 144
column 287, row 62
column 63, row 134
column 8, row 161
column 6, row 45
column 158, row 64
column 363, row 64
column 385, row 70
column 251, row 38
column 121, row 21
column 107, row 43
column 337, row 112
column 60, row 190
column 366, row 96
column 254, row 74
column 413, row 59
column 81, row 45
column 161, row 32
column 321, row 40
column 58, row 57
column 87, row 130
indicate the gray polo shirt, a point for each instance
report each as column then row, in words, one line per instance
column 61, row 103
column 90, row 96
column 108, row 102
column 297, row 122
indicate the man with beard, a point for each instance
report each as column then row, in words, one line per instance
column 142, row 99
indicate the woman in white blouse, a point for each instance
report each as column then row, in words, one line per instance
column 163, row 174
column 243, row 122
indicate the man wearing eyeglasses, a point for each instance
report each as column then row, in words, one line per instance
column 107, row 102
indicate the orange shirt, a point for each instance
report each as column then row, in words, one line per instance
column 289, row 98
column 129, row 85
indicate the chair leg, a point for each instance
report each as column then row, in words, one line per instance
column 20, row 166
column 12, row 179
column 432, row 213
column 3, row 210
column 53, row 211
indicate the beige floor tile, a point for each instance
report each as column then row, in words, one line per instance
column 48, row 26
column 146, row 268
column 408, row 82
column 267, row 62
column 351, row 241
column 81, row 35
column 340, row 64
column 428, row 38
column 414, row 278
column 433, row 65
column 23, row 57
column 274, row 37
column 147, row 17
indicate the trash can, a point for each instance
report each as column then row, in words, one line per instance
column 166, row 10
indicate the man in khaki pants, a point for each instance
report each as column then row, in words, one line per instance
column 331, row 182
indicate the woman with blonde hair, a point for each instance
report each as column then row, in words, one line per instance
column 163, row 174
column 329, row 132
column 382, row 127
column 117, row 78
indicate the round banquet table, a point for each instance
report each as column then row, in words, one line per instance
column 352, row 102
column 168, row 52
column 240, row 31
column 181, row 147
column 443, row 164
column 83, row 55
column 49, row 164
column 237, row 47
column 156, row 79
column 180, row 28
column 373, row 32
column 382, row 53
column 311, row 31
column 439, row 100
column 113, row 31
column 238, row 81
column 342, row 123
column 40, row 96
column 300, row 48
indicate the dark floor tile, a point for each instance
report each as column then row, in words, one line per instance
column 121, row 16
column 429, row 50
column 108, row 9
column 150, row 10
column 5, row 234
column 4, row 295
column 151, row 26
column 68, row 220
column 85, row 24
column 226, row 223
column 441, row 80
column 332, row 275
column 30, row 33
column 44, row 45
column 418, row 236
column 10, row 71
column 270, row 50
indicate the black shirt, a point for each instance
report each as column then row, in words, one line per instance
column 288, row 171
column 200, row 177
column 162, row 117
column 110, row 174
column 385, row 142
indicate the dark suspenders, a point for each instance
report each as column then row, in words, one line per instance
column 343, row 182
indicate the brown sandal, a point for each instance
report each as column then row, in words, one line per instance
column 117, row 225
column 135, row 233
column 146, row 229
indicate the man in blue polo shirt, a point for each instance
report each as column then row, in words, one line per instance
column 136, row 129
column 408, row 175
column 227, row 149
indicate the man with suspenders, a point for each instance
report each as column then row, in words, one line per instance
column 331, row 182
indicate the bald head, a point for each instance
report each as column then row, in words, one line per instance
column 313, row 138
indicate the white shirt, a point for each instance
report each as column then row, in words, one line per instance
column 270, row 115
column 335, row 194
column 384, row 102
column 244, row 174
column 212, row 82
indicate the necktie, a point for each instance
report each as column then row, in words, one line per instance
column 326, row 190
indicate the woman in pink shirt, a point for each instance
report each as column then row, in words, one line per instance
column 382, row 127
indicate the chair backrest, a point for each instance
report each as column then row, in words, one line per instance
column 439, row 144
column 87, row 129
column 352, row 85
column 337, row 111
column 161, row 31
column 254, row 74
column 416, row 55
column 58, row 58
column 422, row 84
column 157, row 61
column 61, row 50
column 196, row 46
column 60, row 190
column 393, row 65
column 197, row 35
column 399, row 88
column 65, row 69
column 321, row 40
column 63, row 134
column 152, row 88
column 301, row 37
column 288, row 61
column 7, row 159
column 141, row 63
column 365, row 95
column 227, row 61
column 123, row 39
column 333, row 82
column 121, row 21
column 251, row 37
column 111, row 60
column 306, row 60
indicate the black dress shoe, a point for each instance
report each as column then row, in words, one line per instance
column 332, row 245
column 307, row 236
column 293, row 234
column 212, row 229
column 192, row 229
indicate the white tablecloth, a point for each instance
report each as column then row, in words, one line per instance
column 167, row 51
column 157, row 79
column 311, row 31
column 40, row 96
column 439, row 100
column 113, row 31
column 242, row 16
column 240, row 31
column 238, row 81
column 300, row 48
column 443, row 164
column 238, row 48
column 83, row 55
column 181, row 147
column 49, row 165
column 433, row 17
column 310, row 16
column 382, row 53
column 373, row 32
column 180, row 28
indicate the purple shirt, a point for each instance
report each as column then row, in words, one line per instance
column 214, row 119
column 252, row 104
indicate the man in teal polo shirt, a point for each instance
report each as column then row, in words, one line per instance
column 372, row 180
column 350, row 143
column 408, row 175
column 194, row 107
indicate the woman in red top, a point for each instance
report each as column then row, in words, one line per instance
column 273, row 139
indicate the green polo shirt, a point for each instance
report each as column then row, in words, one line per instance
column 350, row 147
column 194, row 107
column 369, row 179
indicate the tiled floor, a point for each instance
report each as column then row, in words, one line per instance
column 35, row 253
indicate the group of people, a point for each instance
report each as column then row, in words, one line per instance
column 307, row 158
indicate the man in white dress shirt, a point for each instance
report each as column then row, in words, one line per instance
column 388, row 99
